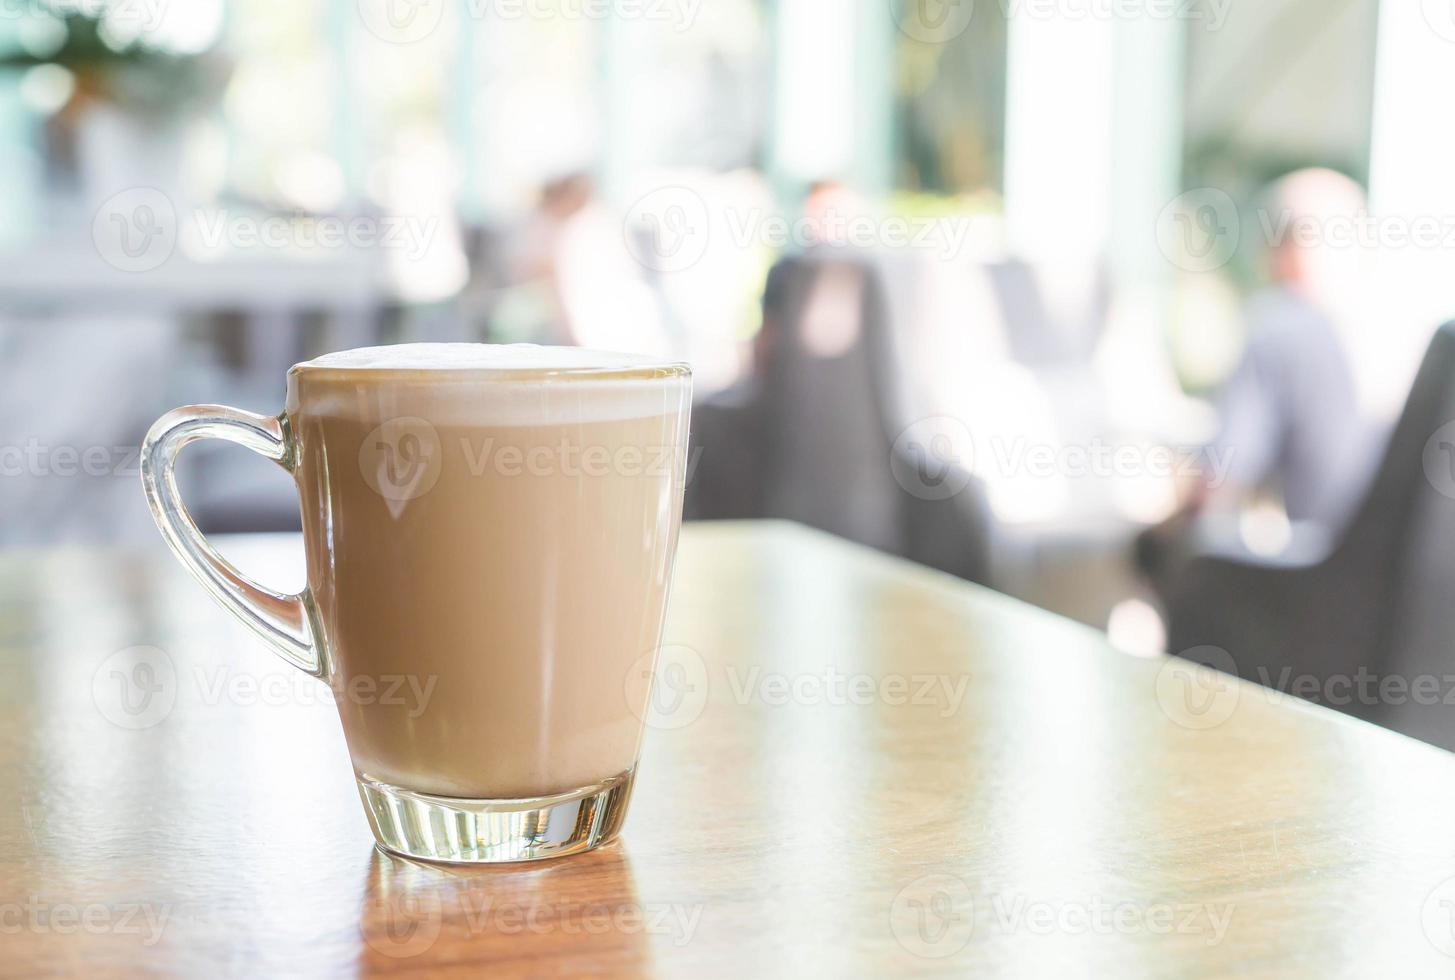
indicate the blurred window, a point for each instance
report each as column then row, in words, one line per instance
column 950, row 107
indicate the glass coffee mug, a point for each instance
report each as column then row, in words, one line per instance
column 489, row 533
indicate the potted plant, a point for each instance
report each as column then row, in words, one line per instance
column 133, row 91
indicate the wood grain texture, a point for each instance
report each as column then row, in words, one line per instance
column 871, row 770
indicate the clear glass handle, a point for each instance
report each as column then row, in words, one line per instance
column 281, row 619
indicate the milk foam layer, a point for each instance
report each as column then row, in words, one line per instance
column 481, row 357
column 486, row 384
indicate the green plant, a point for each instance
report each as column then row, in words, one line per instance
column 120, row 67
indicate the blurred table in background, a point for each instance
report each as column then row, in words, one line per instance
column 98, row 349
column 871, row 770
column 73, row 276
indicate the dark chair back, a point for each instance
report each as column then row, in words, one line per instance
column 1405, row 536
column 826, row 448
column 1379, row 608
column 811, row 440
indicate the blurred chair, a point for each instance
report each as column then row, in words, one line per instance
column 812, row 437
column 1380, row 598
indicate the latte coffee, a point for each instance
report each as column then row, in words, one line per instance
column 489, row 534
column 495, row 526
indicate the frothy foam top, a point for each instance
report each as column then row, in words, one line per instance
column 488, row 384
column 482, row 357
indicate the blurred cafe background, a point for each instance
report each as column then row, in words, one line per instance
column 1127, row 308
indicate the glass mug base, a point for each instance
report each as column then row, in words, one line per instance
column 462, row 831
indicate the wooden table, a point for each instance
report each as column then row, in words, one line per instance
column 872, row 771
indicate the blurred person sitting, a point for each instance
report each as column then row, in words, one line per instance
column 579, row 283
column 534, row 265
column 1291, row 426
column 830, row 209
